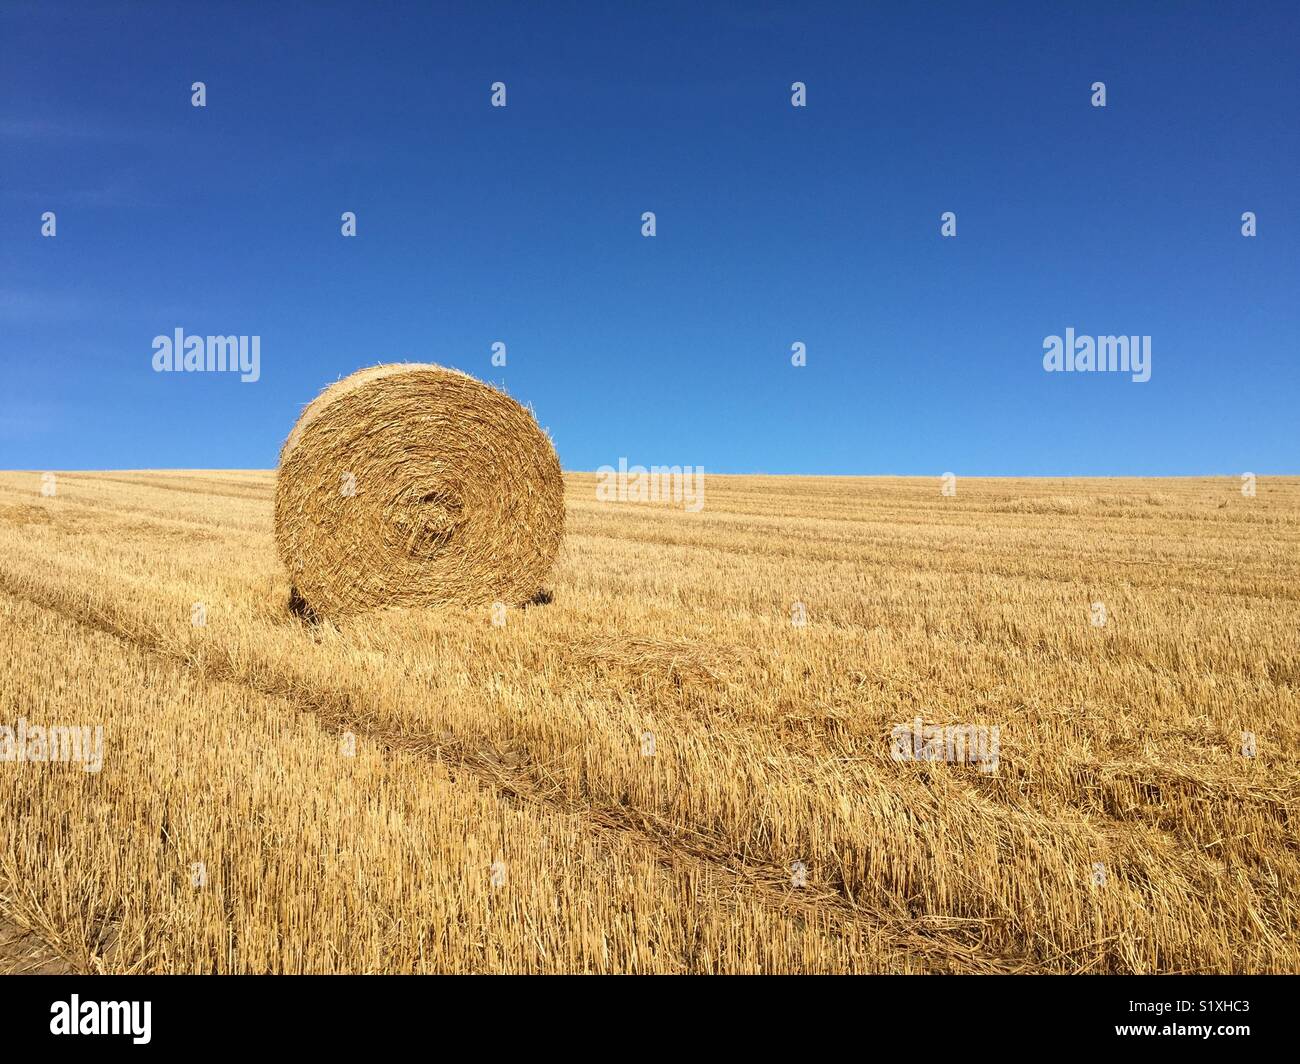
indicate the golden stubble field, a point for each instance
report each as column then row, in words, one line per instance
column 499, row 812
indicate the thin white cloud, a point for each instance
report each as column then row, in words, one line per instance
column 42, row 129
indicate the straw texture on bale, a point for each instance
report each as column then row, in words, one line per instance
column 412, row 484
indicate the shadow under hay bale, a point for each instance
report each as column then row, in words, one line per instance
column 299, row 607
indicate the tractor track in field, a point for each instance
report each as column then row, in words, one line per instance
column 24, row 952
column 946, row 945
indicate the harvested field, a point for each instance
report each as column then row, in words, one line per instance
column 656, row 770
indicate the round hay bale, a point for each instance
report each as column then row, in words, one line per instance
column 412, row 485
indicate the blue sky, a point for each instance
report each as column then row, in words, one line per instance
column 775, row 224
